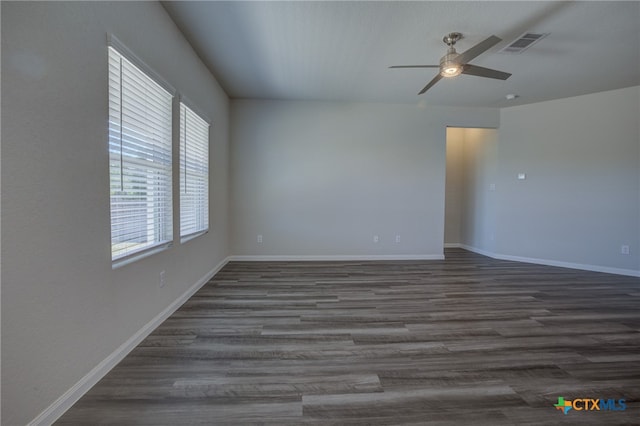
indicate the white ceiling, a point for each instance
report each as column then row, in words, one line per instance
column 341, row 51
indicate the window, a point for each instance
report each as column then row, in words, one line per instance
column 194, row 174
column 139, row 159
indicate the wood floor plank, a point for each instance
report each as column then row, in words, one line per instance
column 466, row 340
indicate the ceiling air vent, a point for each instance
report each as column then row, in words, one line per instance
column 523, row 42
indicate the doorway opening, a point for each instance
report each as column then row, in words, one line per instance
column 470, row 188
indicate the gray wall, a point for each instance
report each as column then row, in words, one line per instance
column 64, row 310
column 454, row 186
column 321, row 179
column 581, row 199
column 478, row 218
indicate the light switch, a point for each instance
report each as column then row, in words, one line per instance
column 522, row 176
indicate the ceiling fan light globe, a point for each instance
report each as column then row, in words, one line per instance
column 449, row 66
column 450, row 70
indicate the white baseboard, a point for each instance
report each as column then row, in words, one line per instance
column 560, row 264
column 581, row 266
column 314, row 258
column 452, row 245
column 479, row 251
column 70, row 397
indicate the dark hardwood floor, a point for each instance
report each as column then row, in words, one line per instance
column 468, row 340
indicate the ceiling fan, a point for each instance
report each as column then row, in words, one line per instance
column 453, row 63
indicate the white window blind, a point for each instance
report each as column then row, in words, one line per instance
column 139, row 159
column 194, row 173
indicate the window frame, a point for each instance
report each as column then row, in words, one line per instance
column 189, row 106
column 156, row 170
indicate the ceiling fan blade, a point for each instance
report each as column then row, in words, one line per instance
column 479, row 48
column 485, row 72
column 431, row 83
column 414, row 66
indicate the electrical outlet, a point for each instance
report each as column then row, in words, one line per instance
column 397, row 239
column 260, row 239
column 376, row 238
column 163, row 278
column 624, row 249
